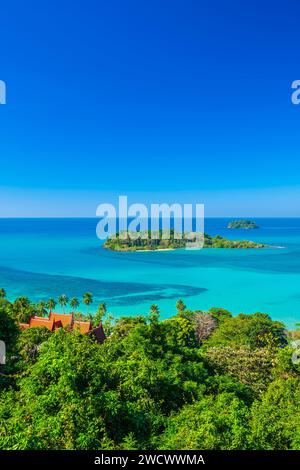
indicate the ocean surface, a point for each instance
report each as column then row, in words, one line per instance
column 42, row 258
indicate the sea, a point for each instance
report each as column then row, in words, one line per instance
column 43, row 258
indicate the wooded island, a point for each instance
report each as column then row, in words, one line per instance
column 246, row 224
column 149, row 243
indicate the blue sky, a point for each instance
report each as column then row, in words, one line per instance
column 179, row 99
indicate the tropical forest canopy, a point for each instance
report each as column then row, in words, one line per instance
column 198, row 380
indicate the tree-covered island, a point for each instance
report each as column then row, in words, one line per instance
column 246, row 224
column 142, row 243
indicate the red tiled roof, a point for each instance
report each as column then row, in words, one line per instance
column 41, row 322
column 66, row 319
column 59, row 320
column 82, row 326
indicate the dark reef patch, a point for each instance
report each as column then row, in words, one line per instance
column 42, row 286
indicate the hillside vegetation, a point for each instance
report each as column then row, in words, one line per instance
column 198, row 380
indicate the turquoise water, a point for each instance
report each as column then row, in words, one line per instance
column 43, row 258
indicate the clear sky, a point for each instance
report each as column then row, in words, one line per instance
column 168, row 97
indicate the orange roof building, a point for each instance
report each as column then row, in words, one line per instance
column 41, row 321
column 38, row 322
column 62, row 320
column 82, row 326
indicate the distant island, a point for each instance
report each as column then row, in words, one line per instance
column 118, row 243
column 246, row 224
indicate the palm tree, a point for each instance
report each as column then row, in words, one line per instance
column 2, row 293
column 154, row 314
column 154, row 309
column 78, row 316
column 180, row 306
column 41, row 308
column 87, row 298
column 74, row 303
column 90, row 318
column 102, row 309
column 63, row 300
column 22, row 309
column 51, row 305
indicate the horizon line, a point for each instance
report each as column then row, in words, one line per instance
column 205, row 217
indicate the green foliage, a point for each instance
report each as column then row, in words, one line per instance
column 221, row 242
column 255, row 331
column 198, row 380
column 79, row 393
column 154, row 314
column 219, row 313
column 9, row 332
column 245, row 224
column 74, row 303
column 284, row 367
column 180, row 306
column 8, row 328
column 22, row 309
column 29, row 343
column 101, row 312
column 2, row 293
column 275, row 420
column 171, row 240
column 41, row 308
column 210, row 423
column 51, row 304
column 252, row 368
column 125, row 324
column 87, row 299
column 63, row 301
